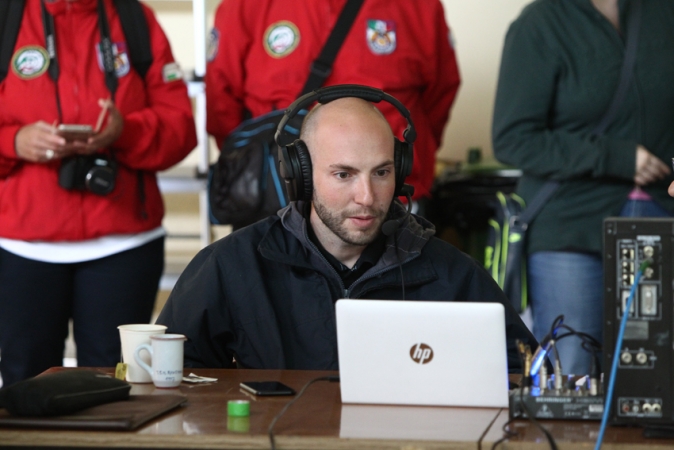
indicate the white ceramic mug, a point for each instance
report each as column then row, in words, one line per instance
column 132, row 336
column 166, row 354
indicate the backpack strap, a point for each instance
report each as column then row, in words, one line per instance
column 537, row 203
column 627, row 69
column 321, row 67
column 131, row 15
column 11, row 12
column 137, row 34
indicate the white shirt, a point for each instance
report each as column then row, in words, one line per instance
column 79, row 251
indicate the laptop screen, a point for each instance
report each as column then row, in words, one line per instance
column 422, row 352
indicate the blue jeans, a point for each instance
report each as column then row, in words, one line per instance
column 572, row 284
column 643, row 208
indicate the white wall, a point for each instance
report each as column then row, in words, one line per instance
column 478, row 28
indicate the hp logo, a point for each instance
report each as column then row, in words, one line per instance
column 421, row 353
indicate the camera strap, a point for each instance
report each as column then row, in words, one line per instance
column 106, row 51
column 50, row 43
column 107, row 56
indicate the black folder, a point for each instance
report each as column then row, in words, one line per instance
column 122, row 415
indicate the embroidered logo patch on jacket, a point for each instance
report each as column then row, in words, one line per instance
column 281, row 38
column 30, row 61
column 122, row 65
column 213, row 43
column 381, row 36
column 171, row 72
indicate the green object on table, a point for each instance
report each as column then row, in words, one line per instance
column 238, row 408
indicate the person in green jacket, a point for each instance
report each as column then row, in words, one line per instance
column 559, row 71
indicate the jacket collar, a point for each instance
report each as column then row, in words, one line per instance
column 412, row 235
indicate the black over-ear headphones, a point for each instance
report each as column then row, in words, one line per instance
column 294, row 159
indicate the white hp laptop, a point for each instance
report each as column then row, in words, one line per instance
column 422, row 353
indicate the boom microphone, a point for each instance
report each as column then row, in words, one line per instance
column 391, row 226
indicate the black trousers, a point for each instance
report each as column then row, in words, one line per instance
column 37, row 299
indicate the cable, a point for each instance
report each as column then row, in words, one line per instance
column 548, row 343
column 400, row 264
column 530, row 416
column 270, row 431
column 507, row 434
column 532, row 419
column 389, row 228
column 618, row 345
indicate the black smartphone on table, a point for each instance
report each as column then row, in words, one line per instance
column 267, row 388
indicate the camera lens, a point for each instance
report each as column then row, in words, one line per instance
column 100, row 179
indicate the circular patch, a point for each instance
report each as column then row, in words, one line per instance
column 30, row 62
column 281, row 38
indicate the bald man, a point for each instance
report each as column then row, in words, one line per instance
column 264, row 295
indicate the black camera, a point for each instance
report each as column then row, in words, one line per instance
column 95, row 173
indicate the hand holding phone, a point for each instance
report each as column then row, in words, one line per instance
column 72, row 132
column 267, row 388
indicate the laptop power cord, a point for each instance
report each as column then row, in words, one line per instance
column 270, row 431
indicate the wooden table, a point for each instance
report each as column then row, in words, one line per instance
column 319, row 420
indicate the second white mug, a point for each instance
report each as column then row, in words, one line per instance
column 166, row 355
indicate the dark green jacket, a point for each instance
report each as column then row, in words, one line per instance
column 560, row 68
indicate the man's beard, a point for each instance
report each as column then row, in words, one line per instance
column 335, row 221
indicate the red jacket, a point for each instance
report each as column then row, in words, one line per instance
column 158, row 129
column 261, row 50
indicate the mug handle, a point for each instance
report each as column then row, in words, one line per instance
column 141, row 363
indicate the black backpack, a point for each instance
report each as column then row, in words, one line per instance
column 130, row 14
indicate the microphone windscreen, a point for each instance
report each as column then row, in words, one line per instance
column 390, row 227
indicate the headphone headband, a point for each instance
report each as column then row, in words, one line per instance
column 295, row 161
column 330, row 93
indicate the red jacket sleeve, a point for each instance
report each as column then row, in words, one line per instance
column 443, row 76
column 8, row 158
column 6, row 166
column 163, row 133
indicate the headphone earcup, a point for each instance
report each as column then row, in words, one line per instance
column 300, row 184
column 304, row 180
column 287, row 168
column 403, row 159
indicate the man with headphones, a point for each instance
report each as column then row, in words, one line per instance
column 264, row 296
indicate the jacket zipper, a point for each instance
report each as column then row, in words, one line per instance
column 312, row 246
column 366, row 277
column 346, row 293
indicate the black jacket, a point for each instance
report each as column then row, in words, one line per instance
column 265, row 295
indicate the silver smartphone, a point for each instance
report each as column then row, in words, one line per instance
column 72, row 132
